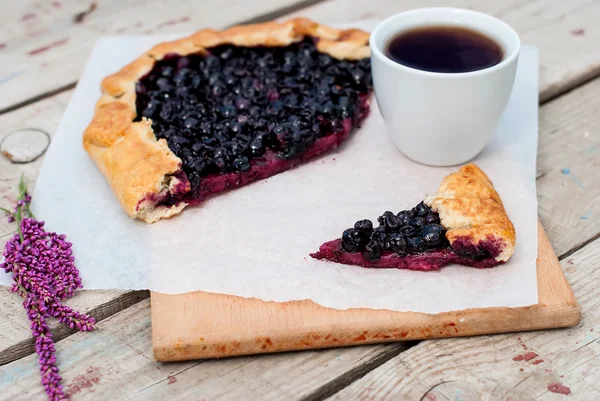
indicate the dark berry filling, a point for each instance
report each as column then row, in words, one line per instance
column 231, row 110
column 412, row 231
column 412, row 239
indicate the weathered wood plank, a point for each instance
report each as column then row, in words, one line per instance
column 35, row 40
column 561, row 150
column 44, row 45
column 116, row 363
column 562, row 123
column 549, row 24
column 16, row 340
column 568, row 182
column 554, row 116
column 28, row 24
column 526, row 366
column 15, row 337
column 568, row 140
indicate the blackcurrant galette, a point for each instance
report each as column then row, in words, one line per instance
column 221, row 109
column 463, row 223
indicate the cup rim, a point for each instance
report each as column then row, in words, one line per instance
column 506, row 61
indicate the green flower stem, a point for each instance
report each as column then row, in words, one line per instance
column 23, row 209
column 18, row 219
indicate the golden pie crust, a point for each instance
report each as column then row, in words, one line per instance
column 471, row 209
column 141, row 169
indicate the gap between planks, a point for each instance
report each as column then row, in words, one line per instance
column 578, row 247
column 60, row 331
column 37, row 98
column 347, row 378
column 331, row 387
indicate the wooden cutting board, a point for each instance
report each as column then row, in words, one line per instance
column 205, row 325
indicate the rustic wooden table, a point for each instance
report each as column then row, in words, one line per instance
column 43, row 47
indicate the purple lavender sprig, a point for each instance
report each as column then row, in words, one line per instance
column 44, row 274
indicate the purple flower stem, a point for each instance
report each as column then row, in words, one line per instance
column 44, row 274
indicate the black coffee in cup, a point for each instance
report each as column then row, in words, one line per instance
column 444, row 49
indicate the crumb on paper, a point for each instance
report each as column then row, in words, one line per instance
column 578, row 32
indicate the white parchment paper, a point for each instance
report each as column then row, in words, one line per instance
column 255, row 241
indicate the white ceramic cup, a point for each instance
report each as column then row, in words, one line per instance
column 442, row 119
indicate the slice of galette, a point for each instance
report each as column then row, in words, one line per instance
column 221, row 109
column 463, row 223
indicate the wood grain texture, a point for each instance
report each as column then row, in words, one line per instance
column 528, row 366
column 570, row 142
column 549, row 24
column 44, row 45
column 36, row 39
column 116, row 362
column 563, row 142
column 15, row 336
column 204, row 325
column 560, row 203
